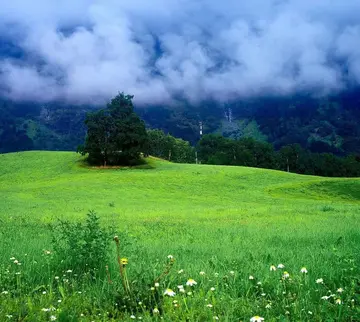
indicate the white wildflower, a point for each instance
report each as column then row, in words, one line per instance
column 281, row 266
column 319, row 281
column 181, row 271
column 209, row 305
column 169, row 292
column 170, row 257
column 52, row 317
column 156, row 311
column 256, row 318
column 286, row 275
column 132, row 317
column 340, row 290
column 251, row 277
column 232, row 273
column 272, row 268
column 212, row 289
column 156, row 284
column 191, row 282
column 303, row 270
column 202, row 273
column 338, row 301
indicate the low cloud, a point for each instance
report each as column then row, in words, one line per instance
column 86, row 51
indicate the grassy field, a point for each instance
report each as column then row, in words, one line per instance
column 232, row 223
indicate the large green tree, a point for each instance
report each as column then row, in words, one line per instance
column 115, row 134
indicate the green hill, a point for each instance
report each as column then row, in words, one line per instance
column 211, row 218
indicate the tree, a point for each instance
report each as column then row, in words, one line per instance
column 115, row 135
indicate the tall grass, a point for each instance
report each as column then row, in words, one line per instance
column 224, row 228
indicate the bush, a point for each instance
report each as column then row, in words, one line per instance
column 81, row 247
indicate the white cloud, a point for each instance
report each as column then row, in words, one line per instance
column 86, row 51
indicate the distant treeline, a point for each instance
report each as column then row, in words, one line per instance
column 218, row 150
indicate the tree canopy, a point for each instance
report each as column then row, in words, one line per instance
column 115, row 135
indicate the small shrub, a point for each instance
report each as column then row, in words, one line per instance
column 81, row 247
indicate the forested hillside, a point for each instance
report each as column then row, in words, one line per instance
column 319, row 125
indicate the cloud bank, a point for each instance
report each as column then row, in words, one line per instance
column 86, row 51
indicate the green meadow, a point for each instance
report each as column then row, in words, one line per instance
column 224, row 227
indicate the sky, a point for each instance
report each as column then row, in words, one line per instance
column 86, row 51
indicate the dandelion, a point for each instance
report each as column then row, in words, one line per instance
column 319, row 281
column 124, row 261
column 202, row 273
column 251, row 277
column 212, row 289
column 209, row 305
column 256, row 318
column 156, row 311
column 286, row 275
column 156, row 284
column 191, row 282
column 181, row 271
column 232, row 273
column 52, row 317
column 303, row 270
column 169, row 292
column 338, row 301
column 340, row 290
column 281, row 266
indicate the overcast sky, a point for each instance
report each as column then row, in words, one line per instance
column 86, row 51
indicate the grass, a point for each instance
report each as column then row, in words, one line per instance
column 214, row 219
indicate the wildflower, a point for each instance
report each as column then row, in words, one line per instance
column 263, row 294
column 268, row 306
column 272, row 268
column 170, row 257
column 251, row 277
column 169, row 292
column 156, row 284
column 4, row 292
column 258, row 283
column 69, row 271
column 215, row 317
column 338, row 301
column 325, row 297
column 44, row 292
column 175, row 301
column 189, row 293
column 232, row 273
column 202, row 273
column 286, row 275
column 256, row 318
column 124, row 261
column 303, row 270
column 287, row 312
column 9, row 316
column 47, row 252
column 281, row 266
column 52, row 317
column 59, row 301
column 212, row 289
column 340, row 290
column 310, row 312
column 45, row 310
column 16, row 262
column 132, row 317
column 319, row 281
column 140, row 303
column 181, row 289
column 17, row 273
column 152, row 288
column 209, row 305
column 191, row 282
column 156, row 311
column 181, row 271
column 12, row 258
column 56, row 277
